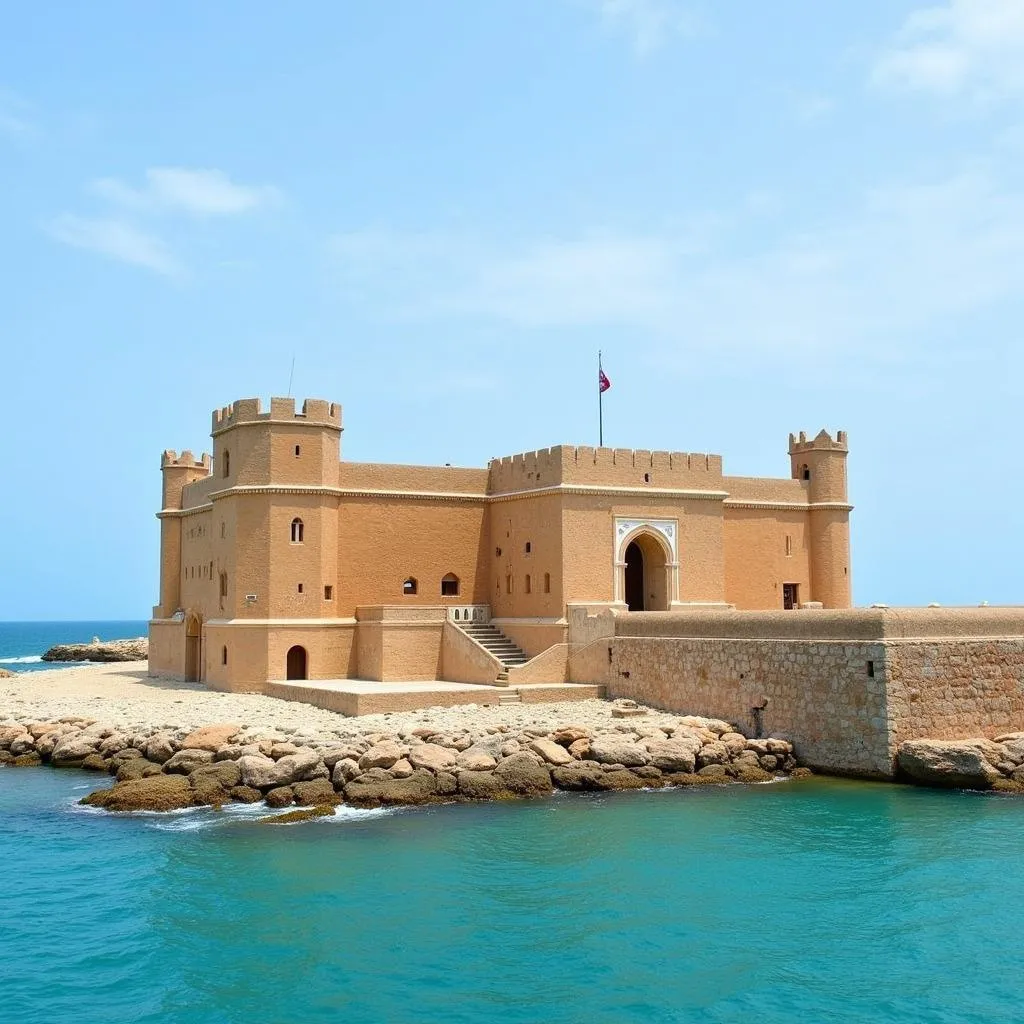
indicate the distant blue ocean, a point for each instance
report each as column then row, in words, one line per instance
column 22, row 643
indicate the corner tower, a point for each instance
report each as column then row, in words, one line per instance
column 820, row 465
column 276, row 504
column 177, row 472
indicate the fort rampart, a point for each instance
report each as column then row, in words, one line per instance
column 846, row 687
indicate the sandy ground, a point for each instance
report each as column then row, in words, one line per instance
column 123, row 695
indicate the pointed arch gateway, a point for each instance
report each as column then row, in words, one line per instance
column 646, row 564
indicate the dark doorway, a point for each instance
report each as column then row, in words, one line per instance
column 790, row 595
column 634, row 578
column 193, row 649
column 297, row 663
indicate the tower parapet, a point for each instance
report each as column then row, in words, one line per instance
column 178, row 471
column 315, row 412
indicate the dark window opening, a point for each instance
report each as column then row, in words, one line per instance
column 227, row 462
column 529, row 547
column 223, row 655
column 871, row 670
column 328, row 592
column 298, row 451
column 547, row 583
column 300, row 588
column 298, row 530
column 450, row 585
column 790, row 596
column 647, row 478
column 528, row 584
column 805, row 473
column 497, row 552
column 409, row 586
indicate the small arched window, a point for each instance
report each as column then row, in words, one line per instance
column 298, row 530
column 805, row 473
column 547, row 583
column 449, row 585
column 529, row 585
column 409, row 586
column 227, row 462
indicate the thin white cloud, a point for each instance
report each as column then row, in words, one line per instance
column 973, row 47
column 116, row 239
column 199, row 192
column 906, row 259
column 648, row 24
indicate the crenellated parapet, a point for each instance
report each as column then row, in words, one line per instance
column 314, row 412
column 186, row 460
column 613, row 467
column 798, row 443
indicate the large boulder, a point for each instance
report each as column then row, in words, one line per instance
column 134, row 768
column 475, row 759
column 157, row 793
column 615, row 749
column 73, row 749
column 432, row 756
column 675, row 755
column 959, row 763
column 225, row 773
column 260, row 772
column 160, row 748
column 552, row 752
column 23, row 744
column 578, row 776
column 522, row 775
column 303, row 764
column 210, row 737
column 383, row 755
column 184, row 762
column 315, row 794
column 371, row 791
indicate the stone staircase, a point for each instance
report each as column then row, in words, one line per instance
column 488, row 636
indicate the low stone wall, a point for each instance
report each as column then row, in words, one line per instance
column 551, row 666
column 847, row 687
column 463, row 660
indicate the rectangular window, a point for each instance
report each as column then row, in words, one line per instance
column 300, row 588
column 328, row 592
column 789, row 545
column 547, row 583
column 871, row 670
column 529, row 586
column 508, row 584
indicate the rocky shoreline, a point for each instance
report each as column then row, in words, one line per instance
column 98, row 650
column 996, row 764
column 163, row 769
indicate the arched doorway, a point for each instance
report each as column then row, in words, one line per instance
column 647, row 586
column 634, row 577
column 193, row 648
column 296, row 663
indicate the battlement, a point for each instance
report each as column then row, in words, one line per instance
column 172, row 460
column 314, row 412
column 617, row 467
column 798, row 443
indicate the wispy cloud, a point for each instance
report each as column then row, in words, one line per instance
column 648, row 24
column 973, row 47
column 117, row 239
column 907, row 257
column 200, row 192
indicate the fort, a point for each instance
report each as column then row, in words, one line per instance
column 569, row 571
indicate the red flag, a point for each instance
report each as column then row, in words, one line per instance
column 603, row 383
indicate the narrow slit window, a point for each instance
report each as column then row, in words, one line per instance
column 227, row 462
column 529, row 547
column 224, row 655
column 298, row 451
column 529, row 585
column 871, row 670
column 508, row 584
column 547, row 583
column 789, row 545
column 328, row 592
column 300, row 588
column 223, row 584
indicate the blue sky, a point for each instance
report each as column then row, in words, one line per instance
column 770, row 217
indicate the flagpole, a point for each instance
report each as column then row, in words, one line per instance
column 600, row 404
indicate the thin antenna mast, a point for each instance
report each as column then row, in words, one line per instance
column 291, row 376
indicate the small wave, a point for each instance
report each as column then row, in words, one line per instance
column 28, row 659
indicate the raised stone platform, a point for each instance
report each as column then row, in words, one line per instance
column 363, row 697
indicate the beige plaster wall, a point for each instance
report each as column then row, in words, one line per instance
column 756, row 563
column 535, row 520
column 551, row 666
column 399, row 644
column 382, row 542
column 166, row 648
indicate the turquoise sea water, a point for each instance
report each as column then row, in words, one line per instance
column 23, row 643
column 802, row 902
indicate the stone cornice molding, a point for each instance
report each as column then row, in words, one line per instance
column 787, row 506
column 297, row 421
